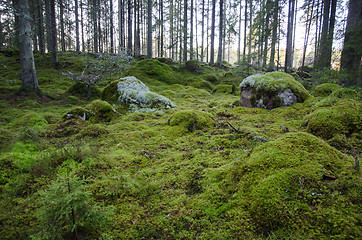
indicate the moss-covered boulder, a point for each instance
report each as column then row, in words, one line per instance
column 131, row 93
column 100, row 111
column 271, row 90
column 286, row 178
column 193, row 66
column 153, row 69
column 325, row 89
column 191, row 120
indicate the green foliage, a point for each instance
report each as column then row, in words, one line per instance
column 68, row 210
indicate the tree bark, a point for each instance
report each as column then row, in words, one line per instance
column 289, row 47
column 77, row 45
column 149, row 29
column 62, row 31
column 212, row 53
column 192, row 30
column 352, row 52
column 185, row 32
column 111, row 27
column 202, row 30
column 274, row 36
column 29, row 79
column 129, row 42
column 221, row 26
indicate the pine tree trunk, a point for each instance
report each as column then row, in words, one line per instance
column 239, row 35
column 274, row 36
column 250, row 31
column 77, row 45
column 185, row 32
column 221, row 26
column 62, row 31
column 351, row 54
column 149, row 29
column 40, row 27
column 95, row 27
column 212, row 53
column 111, row 25
column 289, row 47
column 245, row 27
column 1, row 33
column 192, row 30
column 129, row 42
column 162, row 28
column 172, row 49
column 202, row 30
column 29, row 79
column 53, row 32
column 322, row 60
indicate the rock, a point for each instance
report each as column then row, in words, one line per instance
column 271, row 90
column 131, row 93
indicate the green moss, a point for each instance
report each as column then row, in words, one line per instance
column 284, row 177
column 343, row 118
column 154, row 69
column 325, row 89
column 193, row 66
column 198, row 83
column 6, row 138
column 210, row 78
column 110, row 93
column 30, row 119
column 92, row 131
column 191, row 120
column 224, row 88
column 73, row 100
column 100, row 111
column 80, row 90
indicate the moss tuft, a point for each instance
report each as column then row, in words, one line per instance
column 80, row 90
column 193, row 66
column 30, row 119
column 92, row 131
column 191, row 120
column 6, row 138
column 325, row 89
column 224, row 88
column 100, row 111
column 210, row 78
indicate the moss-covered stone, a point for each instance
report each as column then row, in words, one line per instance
column 272, row 90
column 191, row 120
column 100, row 111
column 285, row 178
column 325, row 89
column 132, row 94
column 154, row 69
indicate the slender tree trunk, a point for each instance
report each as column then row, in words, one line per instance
column 267, row 32
column 207, row 31
column 310, row 13
column 172, row 48
column 28, row 73
column 95, row 27
column 323, row 58
column 77, row 45
column 221, row 26
column 196, row 38
column 212, row 53
column 202, row 30
column 53, row 32
column 149, row 29
column 1, row 33
column 185, row 32
column 239, row 35
column 351, row 54
column 129, row 42
column 82, row 25
column 250, row 31
column 62, row 31
column 162, row 28
column 245, row 27
column 111, row 27
column 274, row 36
column 40, row 27
column 192, row 30
column 289, row 47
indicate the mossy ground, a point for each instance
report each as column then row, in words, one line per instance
column 228, row 173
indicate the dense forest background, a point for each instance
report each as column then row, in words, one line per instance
column 264, row 33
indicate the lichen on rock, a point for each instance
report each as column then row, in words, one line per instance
column 271, row 90
column 132, row 94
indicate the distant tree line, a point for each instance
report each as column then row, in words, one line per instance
column 184, row 30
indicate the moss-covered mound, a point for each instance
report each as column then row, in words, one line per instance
column 154, row 69
column 133, row 94
column 80, row 89
column 271, row 90
column 6, row 137
column 344, row 117
column 243, row 71
column 191, row 120
column 30, row 119
column 286, row 179
column 193, row 66
column 224, row 88
column 92, row 131
column 210, row 78
column 197, row 82
column 100, row 111
column 325, row 89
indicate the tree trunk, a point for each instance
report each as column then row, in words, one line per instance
column 40, row 27
column 322, row 60
column 310, row 11
column 95, row 28
column 162, row 28
column 289, row 47
column 212, row 53
column 1, row 33
column 245, row 27
column 53, row 32
column 221, row 26
column 111, row 25
column 250, row 31
column 351, row 54
column 149, row 29
column 129, row 42
column 62, row 31
column 29, row 79
column 239, row 35
column 77, row 45
column 192, row 30
column 274, row 36
column 202, row 30
column 172, row 49
column 185, row 32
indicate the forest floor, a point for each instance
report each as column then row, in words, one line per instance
column 253, row 174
